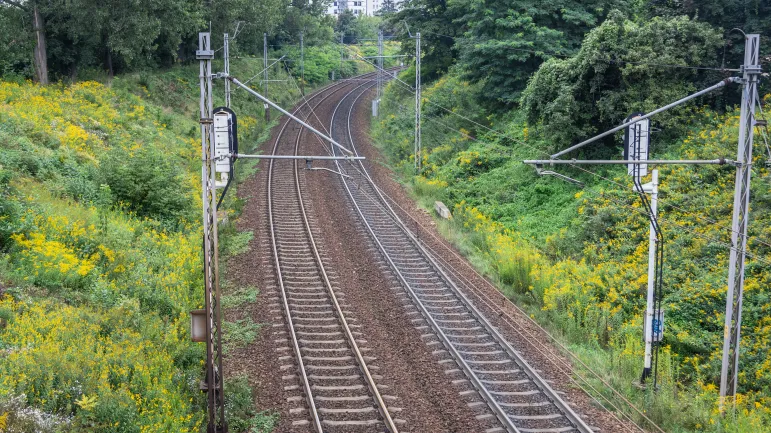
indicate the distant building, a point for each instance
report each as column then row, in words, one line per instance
column 359, row 7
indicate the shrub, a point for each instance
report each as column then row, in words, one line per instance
column 239, row 334
column 240, row 411
column 112, row 370
column 574, row 98
column 148, row 181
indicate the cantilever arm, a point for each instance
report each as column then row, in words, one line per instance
column 292, row 116
column 654, row 112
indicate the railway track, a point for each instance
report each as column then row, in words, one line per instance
column 515, row 396
column 332, row 371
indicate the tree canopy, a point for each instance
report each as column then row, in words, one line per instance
column 69, row 36
column 612, row 76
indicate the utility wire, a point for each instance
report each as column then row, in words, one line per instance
column 567, row 374
column 518, row 141
column 625, row 188
column 537, row 150
column 377, row 203
column 613, row 61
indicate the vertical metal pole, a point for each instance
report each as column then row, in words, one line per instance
column 226, row 55
column 302, row 65
column 733, row 310
column 379, row 64
column 265, row 76
column 341, row 55
column 213, row 382
column 418, row 103
column 649, row 310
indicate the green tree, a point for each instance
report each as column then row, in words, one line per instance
column 34, row 10
column 365, row 27
column 751, row 16
column 113, row 34
column 505, row 41
column 16, row 42
column 610, row 77
column 434, row 21
column 310, row 18
column 346, row 25
column 387, row 8
column 252, row 18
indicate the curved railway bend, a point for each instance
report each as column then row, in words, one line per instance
column 374, row 328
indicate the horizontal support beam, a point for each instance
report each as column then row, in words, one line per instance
column 721, row 161
column 304, row 158
column 386, row 57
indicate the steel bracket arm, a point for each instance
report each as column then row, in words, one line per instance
column 291, row 116
column 645, row 116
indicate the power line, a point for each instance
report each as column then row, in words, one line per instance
column 612, row 61
column 517, row 140
column 624, row 187
column 566, row 373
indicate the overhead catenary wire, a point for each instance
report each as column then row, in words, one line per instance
column 389, row 212
column 606, row 178
column 572, row 355
column 566, row 373
column 518, row 141
column 626, row 189
column 612, row 61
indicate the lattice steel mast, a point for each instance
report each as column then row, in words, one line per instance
column 733, row 311
column 213, row 382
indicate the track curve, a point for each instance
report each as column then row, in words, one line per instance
column 516, row 395
column 333, row 373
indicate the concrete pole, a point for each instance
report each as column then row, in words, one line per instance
column 418, row 103
column 226, row 55
column 379, row 64
column 341, row 55
column 302, row 65
column 651, row 188
column 265, row 76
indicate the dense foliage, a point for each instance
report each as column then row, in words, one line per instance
column 506, row 40
column 574, row 98
column 99, row 208
column 96, row 328
column 78, row 37
column 576, row 257
column 501, row 43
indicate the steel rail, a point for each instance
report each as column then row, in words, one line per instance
column 287, row 311
column 476, row 382
column 531, row 373
column 382, row 408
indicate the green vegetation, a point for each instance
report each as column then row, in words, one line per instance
column 99, row 209
column 100, row 201
column 236, row 244
column 237, row 297
column 87, row 39
column 239, row 334
column 100, row 287
column 576, row 258
column 240, row 411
